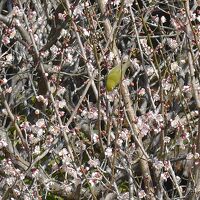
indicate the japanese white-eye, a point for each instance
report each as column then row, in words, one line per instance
column 116, row 75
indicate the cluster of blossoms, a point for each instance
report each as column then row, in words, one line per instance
column 8, row 35
column 12, row 175
column 150, row 122
column 167, row 84
column 172, row 43
column 39, row 132
column 195, row 157
column 148, row 50
column 184, row 135
column 91, row 114
column 162, row 168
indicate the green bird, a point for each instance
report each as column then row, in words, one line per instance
column 116, row 75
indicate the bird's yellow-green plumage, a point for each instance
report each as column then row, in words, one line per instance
column 116, row 75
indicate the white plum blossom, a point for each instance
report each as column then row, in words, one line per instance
column 156, row 97
column 164, row 176
column 172, row 43
column 32, row 16
column 78, row 10
column 12, row 33
column 124, row 134
column 4, row 112
column 63, row 152
column 8, row 90
column 111, row 56
column 186, row 88
column 68, row 188
column 155, row 19
column 61, row 90
column 175, row 67
column 192, row 16
column 9, row 57
column 37, row 150
column 95, row 178
column 17, row 11
column 150, row 71
column 148, row 50
column 71, row 171
column 35, row 173
column 62, row 16
column 5, row 40
column 176, row 122
column 41, row 98
column 10, row 180
column 163, row 19
column 116, row 2
column 95, row 137
column 189, row 156
column 157, row 164
column 25, row 125
column 40, row 123
column 3, row 143
column 128, row 2
column 37, row 130
column 143, row 127
column 91, row 114
column 178, row 179
column 136, row 63
column 166, row 84
column 196, row 155
column 62, row 103
column 16, row 192
column 54, row 130
column 141, row 92
column 36, row 37
column 37, row 112
column 126, row 82
column 94, row 163
column 120, row 142
column 141, row 194
column 3, row 81
column 44, row 53
column 69, row 58
column 167, row 139
column 112, row 95
column 54, row 49
column 17, row 22
column 86, row 32
column 90, row 67
column 105, row 2
column 63, row 33
column 108, row 152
